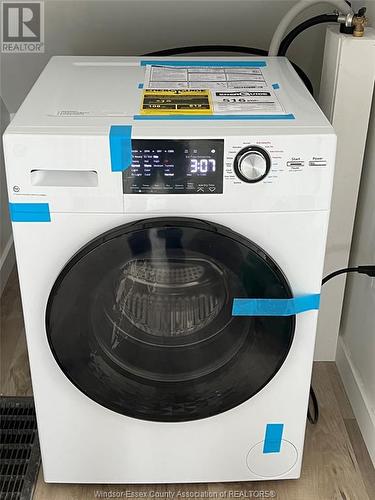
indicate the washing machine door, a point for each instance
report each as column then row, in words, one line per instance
column 140, row 320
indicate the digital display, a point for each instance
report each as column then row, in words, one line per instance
column 202, row 166
column 175, row 166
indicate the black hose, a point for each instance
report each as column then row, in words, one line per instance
column 338, row 272
column 313, row 416
column 323, row 18
column 369, row 270
column 227, row 48
column 208, row 48
column 306, row 80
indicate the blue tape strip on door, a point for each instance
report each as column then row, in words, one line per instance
column 226, row 64
column 120, row 143
column 275, row 307
column 273, row 438
column 29, row 212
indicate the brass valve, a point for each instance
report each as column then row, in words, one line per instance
column 359, row 22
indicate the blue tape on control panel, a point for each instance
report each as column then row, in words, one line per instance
column 214, row 117
column 275, row 307
column 120, row 143
column 275, row 86
column 272, row 438
column 226, row 64
column 29, row 212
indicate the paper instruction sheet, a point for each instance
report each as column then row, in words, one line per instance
column 234, row 89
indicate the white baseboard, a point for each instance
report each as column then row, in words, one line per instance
column 7, row 262
column 357, row 396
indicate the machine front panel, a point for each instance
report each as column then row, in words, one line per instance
column 196, row 173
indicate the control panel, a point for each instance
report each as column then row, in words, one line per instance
column 258, row 172
column 162, row 166
column 205, row 166
column 178, row 175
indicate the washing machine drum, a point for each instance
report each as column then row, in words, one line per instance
column 140, row 320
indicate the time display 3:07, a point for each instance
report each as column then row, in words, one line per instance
column 202, row 166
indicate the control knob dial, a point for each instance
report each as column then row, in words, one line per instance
column 252, row 164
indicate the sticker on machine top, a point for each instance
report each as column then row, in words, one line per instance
column 244, row 101
column 231, row 90
column 176, row 101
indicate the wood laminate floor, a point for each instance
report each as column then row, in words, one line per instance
column 336, row 464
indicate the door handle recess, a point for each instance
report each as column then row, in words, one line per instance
column 64, row 178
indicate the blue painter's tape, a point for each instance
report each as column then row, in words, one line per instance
column 272, row 438
column 275, row 86
column 29, row 212
column 214, row 117
column 226, row 64
column 120, row 143
column 140, row 85
column 275, row 307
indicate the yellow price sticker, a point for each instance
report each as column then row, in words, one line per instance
column 176, row 102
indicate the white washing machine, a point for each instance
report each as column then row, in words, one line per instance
column 170, row 220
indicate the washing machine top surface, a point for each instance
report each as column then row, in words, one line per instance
column 170, row 136
column 257, row 93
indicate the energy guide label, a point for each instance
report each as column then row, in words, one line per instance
column 175, row 101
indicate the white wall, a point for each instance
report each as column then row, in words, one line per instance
column 356, row 350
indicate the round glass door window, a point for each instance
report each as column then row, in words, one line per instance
column 140, row 320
